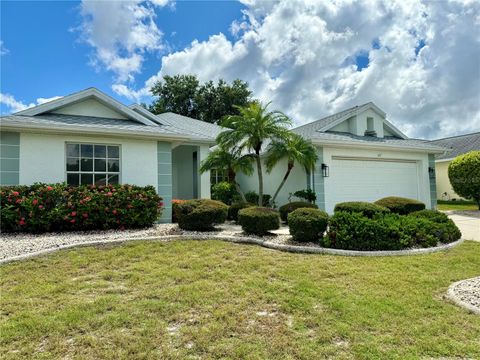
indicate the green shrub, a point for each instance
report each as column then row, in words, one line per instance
column 307, row 225
column 224, row 192
column 58, row 207
column 200, row 214
column 258, row 220
column 289, row 207
column 365, row 208
column 307, row 194
column 464, row 175
column 252, row 198
column 235, row 208
column 399, row 205
column 353, row 231
column 446, row 230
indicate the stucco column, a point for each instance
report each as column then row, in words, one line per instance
column 164, row 160
column 319, row 181
column 433, row 183
column 203, row 179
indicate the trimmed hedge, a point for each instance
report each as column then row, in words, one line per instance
column 365, row 208
column 399, row 205
column 175, row 203
column 235, row 208
column 200, row 214
column 464, row 175
column 307, row 225
column 58, row 207
column 294, row 205
column 353, row 231
column 258, row 220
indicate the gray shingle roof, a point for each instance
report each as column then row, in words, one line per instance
column 199, row 128
column 89, row 122
column 458, row 145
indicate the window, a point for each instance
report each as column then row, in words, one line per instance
column 89, row 164
column 218, row 175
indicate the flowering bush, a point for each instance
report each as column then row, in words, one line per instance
column 58, row 207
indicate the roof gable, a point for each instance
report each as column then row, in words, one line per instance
column 89, row 102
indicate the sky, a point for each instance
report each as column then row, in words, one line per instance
column 419, row 61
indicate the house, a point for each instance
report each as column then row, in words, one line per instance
column 88, row 137
column 361, row 157
column 456, row 145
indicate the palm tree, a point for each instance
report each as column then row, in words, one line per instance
column 248, row 131
column 296, row 150
column 232, row 161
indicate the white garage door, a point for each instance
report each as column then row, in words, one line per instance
column 370, row 179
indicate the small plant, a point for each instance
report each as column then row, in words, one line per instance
column 289, row 207
column 258, row 220
column 224, row 192
column 307, row 225
column 399, row 205
column 200, row 214
column 252, row 198
column 306, row 194
column 365, row 208
column 235, row 208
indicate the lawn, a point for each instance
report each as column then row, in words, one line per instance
column 456, row 205
column 211, row 299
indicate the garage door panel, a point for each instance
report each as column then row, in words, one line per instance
column 369, row 180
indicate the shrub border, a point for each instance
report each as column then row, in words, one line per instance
column 242, row 240
column 451, row 295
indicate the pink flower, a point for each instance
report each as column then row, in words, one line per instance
column 72, row 221
column 160, row 203
column 109, row 193
column 40, row 206
column 85, row 215
column 129, row 206
column 19, row 201
column 15, row 193
column 114, row 212
column 21, row 222
column 35, row 202
column 74, row 213
column 49, row 188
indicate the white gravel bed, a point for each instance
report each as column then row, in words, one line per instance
column 466, row 293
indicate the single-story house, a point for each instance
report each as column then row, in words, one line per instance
column 361, row 157
column 456, row 145
column 88, row 137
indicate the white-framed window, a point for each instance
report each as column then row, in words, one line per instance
column 88, row 164
column 218, row 175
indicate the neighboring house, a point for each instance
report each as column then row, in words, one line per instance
column 88, row 137
column 361, row 157
column 456, row 145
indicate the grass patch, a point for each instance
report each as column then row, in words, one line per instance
column 456, row 205
column 211, row 299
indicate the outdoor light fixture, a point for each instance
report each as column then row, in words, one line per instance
column 431, row 172
column 325, row 171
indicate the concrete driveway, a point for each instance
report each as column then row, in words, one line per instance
column 468, row 222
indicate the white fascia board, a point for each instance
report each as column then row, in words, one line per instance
column 82, row 95
column 432, row 150
column 144, row 112
column 444, row 160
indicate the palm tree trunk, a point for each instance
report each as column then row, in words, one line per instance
column 260, row 179
column 242, row 195
column 285, row 177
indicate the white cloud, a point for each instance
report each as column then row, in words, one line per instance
column 294, row 53
column 121, row 33
column 12, row 105
column 3, row 49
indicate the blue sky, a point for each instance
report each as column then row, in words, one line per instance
column 45, row 56
column 417, row 60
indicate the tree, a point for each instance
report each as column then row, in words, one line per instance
column 183, row 94
column 232, row 161
column 464, row 175
column 249, row 130
column 295, row 149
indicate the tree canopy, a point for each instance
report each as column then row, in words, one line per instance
column 210, row 102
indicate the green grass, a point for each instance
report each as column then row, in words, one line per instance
column 456, row 205
column 211, row 299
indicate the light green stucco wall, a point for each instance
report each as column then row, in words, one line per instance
column 9, row 158
column 164, row 161
column 433, row 184
column 318, row 180
column 183, row 178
